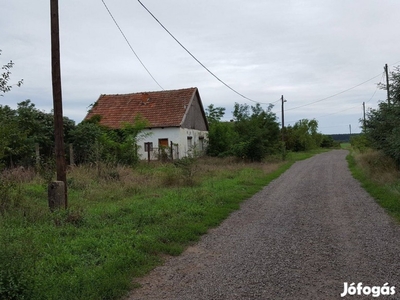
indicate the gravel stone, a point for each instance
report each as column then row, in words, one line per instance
column 301, row 237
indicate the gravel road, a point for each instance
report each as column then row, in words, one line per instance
column 301, row 237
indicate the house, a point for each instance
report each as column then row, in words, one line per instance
column 177, row 120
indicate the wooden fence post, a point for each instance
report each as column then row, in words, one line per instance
column 37, row 151
column 172, row 150
column 71, row 155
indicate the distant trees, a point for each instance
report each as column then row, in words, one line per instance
column 303, row 136
column 382, row 125
column 254, row 133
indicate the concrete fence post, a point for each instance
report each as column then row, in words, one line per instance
column 56, row 195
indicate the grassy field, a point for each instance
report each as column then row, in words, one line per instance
column 345, row 146
column 119, row 224
column 379, row 176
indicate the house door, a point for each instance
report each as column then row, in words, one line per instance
column 163, row 149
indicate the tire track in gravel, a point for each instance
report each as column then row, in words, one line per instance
column 301, row 237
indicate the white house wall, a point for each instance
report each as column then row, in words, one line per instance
column 177, row 136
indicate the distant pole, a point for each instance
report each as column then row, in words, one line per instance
column 283, row 119
column 364, row 116
column 387, row 83
column 350, row 129
column 57, row 97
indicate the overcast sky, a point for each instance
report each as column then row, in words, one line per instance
column 304, row 50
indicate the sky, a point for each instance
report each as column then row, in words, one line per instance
column 325, row 57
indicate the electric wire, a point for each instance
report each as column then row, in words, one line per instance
column 198, row 61
column 376, row 89
column 130, row 46
column 220, row 80
column 307, row 104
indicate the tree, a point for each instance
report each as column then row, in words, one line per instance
column 257, row 131
column 5, row 77
column 24, row 127
column 220, row 134
column 11, row 137
column 95, row 143
column 382, row 125
column 214, row 114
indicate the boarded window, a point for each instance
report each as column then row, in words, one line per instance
column 162, row 143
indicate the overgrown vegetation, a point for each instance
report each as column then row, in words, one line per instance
column 375, row 159
column 119, row 223
column 382, row 125
column 380, row 176
column 24, row 129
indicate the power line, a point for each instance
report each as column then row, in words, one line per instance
column 334, row 94
column 198, row 61
column 130, row 46
column 376, row 89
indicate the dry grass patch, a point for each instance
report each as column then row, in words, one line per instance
column 379, row 168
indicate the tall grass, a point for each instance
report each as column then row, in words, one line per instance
column 379, row 175
column 119, row 223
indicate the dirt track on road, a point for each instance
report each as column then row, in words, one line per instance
column 301, row 237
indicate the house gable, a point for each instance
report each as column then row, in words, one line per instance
column 194, row 117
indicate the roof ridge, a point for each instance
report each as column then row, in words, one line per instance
column 151, row 92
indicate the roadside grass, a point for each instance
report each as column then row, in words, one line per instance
column 379, row 176
column 119, row 224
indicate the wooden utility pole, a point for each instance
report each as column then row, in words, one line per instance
column 283, row 119
column 364, row 116
column 57, row 97
column 387, row 83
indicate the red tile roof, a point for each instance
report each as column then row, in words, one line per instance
column 161, row 109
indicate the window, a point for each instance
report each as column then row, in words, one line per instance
column 148, row 147
column 201, row 142
column 189, row 142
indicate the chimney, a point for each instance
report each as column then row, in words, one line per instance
column 145, row 98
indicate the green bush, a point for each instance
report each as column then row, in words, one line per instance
column 360, row 142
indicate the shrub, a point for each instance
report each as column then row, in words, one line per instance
column 360, row 143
